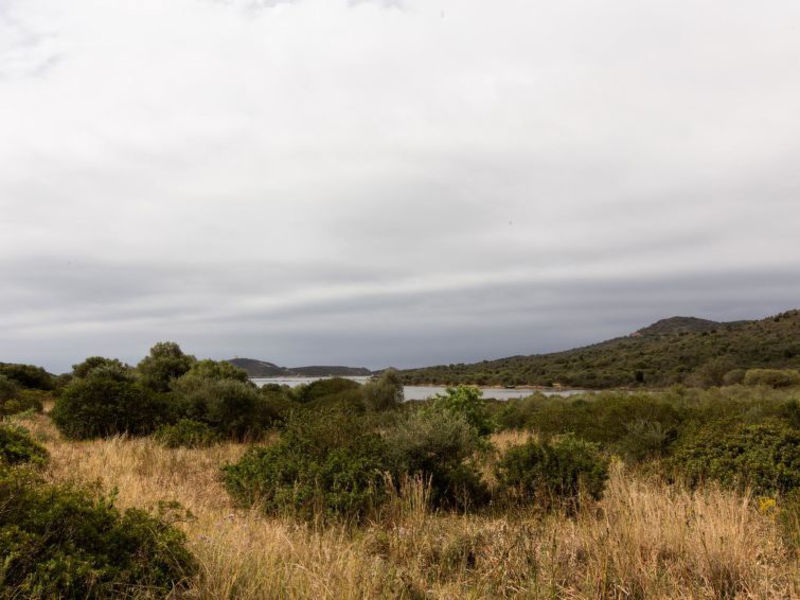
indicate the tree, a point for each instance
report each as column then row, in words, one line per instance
column 385, row 392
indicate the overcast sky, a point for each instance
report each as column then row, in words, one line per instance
column 390, row 182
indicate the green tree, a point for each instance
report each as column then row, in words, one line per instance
column 165, row 363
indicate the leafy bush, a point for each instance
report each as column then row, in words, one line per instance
column 764, row 456
column 187, row 434
column 17, row 447
column 107, row 401
column 165, row 362
column 467, row 402
column 62, row 542
column 232, row 408
column 28, row 376
column 553, row 473
column 95, row 362
column 385, row 392
column 25, row 400
column 774, row 378
column 441, row 446
column 322, row 388
column 324, row 466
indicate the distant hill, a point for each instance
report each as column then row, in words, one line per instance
column 260, row 368
column 675, row 350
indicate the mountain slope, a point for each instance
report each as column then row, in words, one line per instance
column 261, row 368
column 676, row 350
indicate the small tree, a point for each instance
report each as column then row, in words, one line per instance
column 466, row 401
column 385, row 392
column 165, row 363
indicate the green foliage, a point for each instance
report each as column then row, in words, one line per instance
column 441, row 446
column 27, row 376
column 688, row 351
column 467, row 402
column 63, row 542
column 229, row 406
column 385, row 392
column 323, row 389
column 187, row 434
column 211, row 369
column 774, row 378
column 17, row 447
column 554, row 473
column 107, row 401
column 23, row 401
column 83, row 369
column 765, row 456
column 8, row 389
column 165, row 363
column 324, row 466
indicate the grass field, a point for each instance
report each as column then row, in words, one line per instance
column 644, row 539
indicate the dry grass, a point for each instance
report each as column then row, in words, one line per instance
column 643, row 540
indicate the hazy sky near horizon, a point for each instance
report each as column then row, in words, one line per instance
column 395, row 182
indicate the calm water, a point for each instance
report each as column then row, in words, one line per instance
column 419, row 392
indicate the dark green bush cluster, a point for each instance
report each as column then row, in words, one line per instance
column 187, row 434
column 64, row 542
column 17, row 447
column 325, row 465
column 764, row 457
column 28, row 376
column 553, row 473
column 14, row 399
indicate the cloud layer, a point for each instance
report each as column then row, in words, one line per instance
column 386, row 182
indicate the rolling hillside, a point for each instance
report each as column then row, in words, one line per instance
column 260, row 368
column 676, row 350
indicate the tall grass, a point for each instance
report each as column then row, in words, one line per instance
column 644, row 539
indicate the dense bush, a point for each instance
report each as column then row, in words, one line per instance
column 324, row 466
column 467, row 402
column 187, row 434
column 83, row 369
column 441, row 446
column 17, row 447
column 765, row 457
column 323, row 388
column 28, row 376
column 24, row 400
column 774, row 378
column 107, row 401
column 231, row 407
column 554, row 473
column 385, row 392
column 165, row 363
column 62, row 542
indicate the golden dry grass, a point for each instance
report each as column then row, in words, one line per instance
column 643, row 540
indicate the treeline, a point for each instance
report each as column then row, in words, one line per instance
column 678, row 351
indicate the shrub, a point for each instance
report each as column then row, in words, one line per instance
column 441, row 446
column 165, row 362
column 62, row 542
column 764, row 456
column 95, row 362
column 107, row 401
column 385, row 392
column 17, row 447
column 203, row 370
column 322, row 388
column 553, row 473
column 324, row 466
column 232, row 408
column 8, row 389
column 467, row 402
column 28, row 376
column 187, row 434
column 25, row 400
column 774, row 378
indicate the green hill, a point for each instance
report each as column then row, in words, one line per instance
column 261, row 368
column 676, row 350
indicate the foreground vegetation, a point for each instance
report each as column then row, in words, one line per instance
column 178, row 478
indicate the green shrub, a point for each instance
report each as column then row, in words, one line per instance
column 28, row 376
column 187, row 434
column 62, row 542
column 107, row 401
column 441, row 446
column 95, row 362
column 554, row 473
column 165, row 363
column 324, row 466
column 8, row 389
column 17, row 447
column 25, row 400
column 467, row 402
column 774, row 378
column 234, row 409
column 385, row 392
column 765, row 457
column 322, row 388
